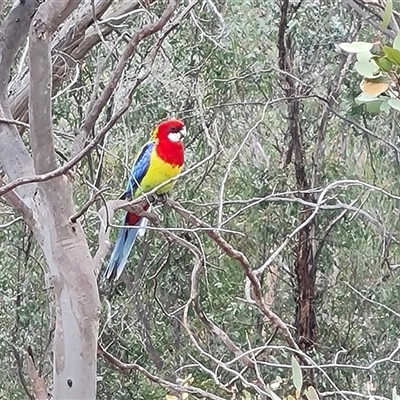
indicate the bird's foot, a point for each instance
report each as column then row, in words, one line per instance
column 152, row 198
column 162, row 198
column 155, row 199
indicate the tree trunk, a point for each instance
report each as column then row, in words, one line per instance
column 304, row 269
column 63, row 243
column 74, row 283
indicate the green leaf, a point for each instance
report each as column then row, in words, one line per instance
column 368, row 69
column 373, row 107
column 311, row 393
column 392, row 54
column 356, row 47
column 383, row 63
column 396, row 42
column 387, row 14
column 394, row 103
column 364, row 56
column 297, row 375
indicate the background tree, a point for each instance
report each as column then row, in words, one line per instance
column 274, row 268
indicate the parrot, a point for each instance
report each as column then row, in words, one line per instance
column 159, row 160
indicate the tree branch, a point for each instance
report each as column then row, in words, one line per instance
column 94, row 110
column 49, row 16
column 20, row 365
column 14, row 157
column 77, row 38
column 153, row 378
column 13, row 32
column 367, row 17
column 243, row 262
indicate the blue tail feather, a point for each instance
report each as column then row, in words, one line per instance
column 122, row 248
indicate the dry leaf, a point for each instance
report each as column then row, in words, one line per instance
column 373, row 88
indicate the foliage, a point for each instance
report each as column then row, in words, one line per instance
column 219, row 71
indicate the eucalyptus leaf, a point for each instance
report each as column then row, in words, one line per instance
column 364, row 56
column 383, row 63
column 392, row 54
column 394, row 103
column 385, row 107
column 373, row 87
column 373, row 107
column 297, row 375
column 396, row 42
column 311, row 393
column 387, row 14
column 364, row 98
column 356, row 47
column 368, row 69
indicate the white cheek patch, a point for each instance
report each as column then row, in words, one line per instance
column 174, row 136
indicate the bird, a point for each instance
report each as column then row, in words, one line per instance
column 159, row 160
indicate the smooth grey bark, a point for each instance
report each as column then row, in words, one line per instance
column 63, row 243
column 13, row 31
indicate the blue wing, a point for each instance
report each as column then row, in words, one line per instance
column 139, row 169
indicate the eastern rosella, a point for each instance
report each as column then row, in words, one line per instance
column 159, row 160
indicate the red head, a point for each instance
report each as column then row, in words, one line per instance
column 168, row 135
column 170, row 129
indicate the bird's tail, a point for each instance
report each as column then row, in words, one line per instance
column 123, row 245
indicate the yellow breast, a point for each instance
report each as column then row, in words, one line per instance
column 158, row 173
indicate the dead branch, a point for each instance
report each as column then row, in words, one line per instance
column 194, row 292
column 87, row 205
column 14, row 122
